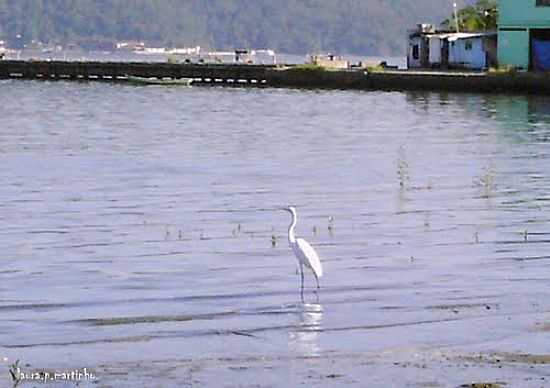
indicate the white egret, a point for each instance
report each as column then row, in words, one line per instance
column 304, row 252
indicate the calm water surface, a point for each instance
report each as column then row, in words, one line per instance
column 136, row 225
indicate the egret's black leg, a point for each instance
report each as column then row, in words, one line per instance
column 302, row 284
column 317, row 280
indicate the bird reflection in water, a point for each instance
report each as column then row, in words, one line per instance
column 304, row 338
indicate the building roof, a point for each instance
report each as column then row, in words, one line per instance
column 454, row 36
column 446, row 34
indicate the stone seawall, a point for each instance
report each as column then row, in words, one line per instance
column 283, row 76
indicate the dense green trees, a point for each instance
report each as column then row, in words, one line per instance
column 293, row 26
column 482, row 16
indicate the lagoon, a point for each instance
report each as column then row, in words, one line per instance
column 136, row 225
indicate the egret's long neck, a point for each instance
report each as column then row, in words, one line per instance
column 291, row 236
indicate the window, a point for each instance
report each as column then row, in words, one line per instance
column 416, row 52
column 468, row 45
column 543, row 3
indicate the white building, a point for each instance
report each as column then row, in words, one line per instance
column 418, row 50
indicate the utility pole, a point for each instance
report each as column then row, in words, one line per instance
column 456, row 17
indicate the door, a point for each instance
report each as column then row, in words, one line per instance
column 540, row 50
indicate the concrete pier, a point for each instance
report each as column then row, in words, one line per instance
column 117, row 71
column 283, row 76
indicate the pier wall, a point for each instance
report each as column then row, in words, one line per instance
column 117, row 71
column 525, row 83
column 287, row 76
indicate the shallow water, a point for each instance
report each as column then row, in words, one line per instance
column 137, row 225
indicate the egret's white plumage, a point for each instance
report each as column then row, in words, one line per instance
column 303, row 251
column 310, row 257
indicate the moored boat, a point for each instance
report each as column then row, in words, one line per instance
column 159, row 81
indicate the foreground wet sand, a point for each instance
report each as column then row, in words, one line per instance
column 495, row 343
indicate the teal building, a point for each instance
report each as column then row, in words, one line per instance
column 524, row 34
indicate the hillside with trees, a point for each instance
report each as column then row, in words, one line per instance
column 481, row 16
column 369, row 27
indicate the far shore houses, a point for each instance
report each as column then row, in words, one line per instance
column 524, row 34
column 432, row 49
column 522, row 41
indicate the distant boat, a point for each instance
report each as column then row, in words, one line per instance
column 159, row 81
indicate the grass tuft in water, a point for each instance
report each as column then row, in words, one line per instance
column 236, row 231
column 487, row 182
column 402, row 168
